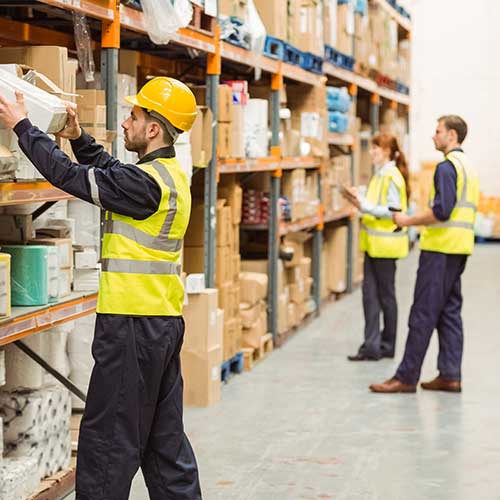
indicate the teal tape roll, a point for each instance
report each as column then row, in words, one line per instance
column 29, row 274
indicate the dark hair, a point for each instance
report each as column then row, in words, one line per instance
column 390, row 142
column 456, row 123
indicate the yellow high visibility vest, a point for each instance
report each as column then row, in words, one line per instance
column 141, row 258
column 378, row 237
column 456, row 235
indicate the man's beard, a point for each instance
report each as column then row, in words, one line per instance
column 136, row 146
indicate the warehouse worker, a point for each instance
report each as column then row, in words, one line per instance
column 387, row 191
column 446, row 241
column 133, row 414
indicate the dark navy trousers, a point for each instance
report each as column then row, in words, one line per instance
column 437, row 304
column 379, row 296
column 133, row 414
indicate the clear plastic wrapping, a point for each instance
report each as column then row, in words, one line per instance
column 164, row 17
column 83, row 42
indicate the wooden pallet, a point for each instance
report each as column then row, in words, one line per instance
column 201, row 22
column 252, row 356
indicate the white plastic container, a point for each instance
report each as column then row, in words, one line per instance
column 45, row 110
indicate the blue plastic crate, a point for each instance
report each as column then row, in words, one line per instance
column 313, row 63
column 339, row 59
column 274, row 47
column 292, row 55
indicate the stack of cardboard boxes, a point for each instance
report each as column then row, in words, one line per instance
column 301, row 190
column 345, row 27
column 253, row 293
column 297, row 280
column 305, row 25
column 274, row 15
column 202, row 351
column 337, row 175
column 334, row 259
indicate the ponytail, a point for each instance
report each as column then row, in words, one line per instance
column 390, row 142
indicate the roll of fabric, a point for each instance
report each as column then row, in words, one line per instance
column 5, row 305
column 18, row 478
column 21, row 372
column 29, row 274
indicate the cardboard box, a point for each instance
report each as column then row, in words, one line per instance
column 253, row 287
column 231, row 338
column 249, row 314
column 5, row 303
column 50, row 60
column 202, row 378
column 200, row 316
column 65, row 281
column 16, row 228
column 294, row 242
column 224, row 141
column 194, row 260
column 232, row 192
column 220, row 327
column 261, row 266
column 234, row 8
column 90, row 98
column 226, row 299
column 224, row 228
column 282, row 313
column 236, row 266
column 223, row 271
column 274, row 15
column 297, row 292
column 225, row 105
column 64, row 249
column 195, row 235
column 252, row 335
column 336, row 242
column 306, row 267
column 201, row 137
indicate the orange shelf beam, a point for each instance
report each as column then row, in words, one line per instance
column 25, row 321
column 17, row 193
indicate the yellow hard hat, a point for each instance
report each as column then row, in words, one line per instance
column 169, row 98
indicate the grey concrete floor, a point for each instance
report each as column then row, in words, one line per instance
column 303, row 425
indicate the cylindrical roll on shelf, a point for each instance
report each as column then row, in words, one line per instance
column 29, row 274
column 5, row 284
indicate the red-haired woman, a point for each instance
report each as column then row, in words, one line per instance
column 383, row 243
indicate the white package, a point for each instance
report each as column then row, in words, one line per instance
column 195, row 283
column 87, row 259
column 256, row 129
column 86, row 280
column 45, row 110
column 185, row 159
column 87, row 223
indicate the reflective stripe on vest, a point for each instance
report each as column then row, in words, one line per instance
column 94, row 188
column 456, row 235
column 385, row 234
column 139, row 266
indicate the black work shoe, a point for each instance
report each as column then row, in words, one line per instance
column 362, row 357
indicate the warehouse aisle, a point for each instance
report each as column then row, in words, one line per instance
column 303, row 425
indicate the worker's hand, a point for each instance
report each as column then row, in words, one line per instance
column 401, row 220
column 11, row 113
column 72, row 130
column 351, row 195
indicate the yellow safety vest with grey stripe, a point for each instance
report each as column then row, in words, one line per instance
column 378, row 237
column 456, row 235
column 141, row 258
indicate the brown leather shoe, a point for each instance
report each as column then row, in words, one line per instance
column 440, row 384
column 392, row 386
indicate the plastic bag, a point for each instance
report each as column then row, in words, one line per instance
column 257, row 32
column 164, row 17
column 83, row 46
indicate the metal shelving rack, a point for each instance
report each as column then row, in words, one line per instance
column 118, row 20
